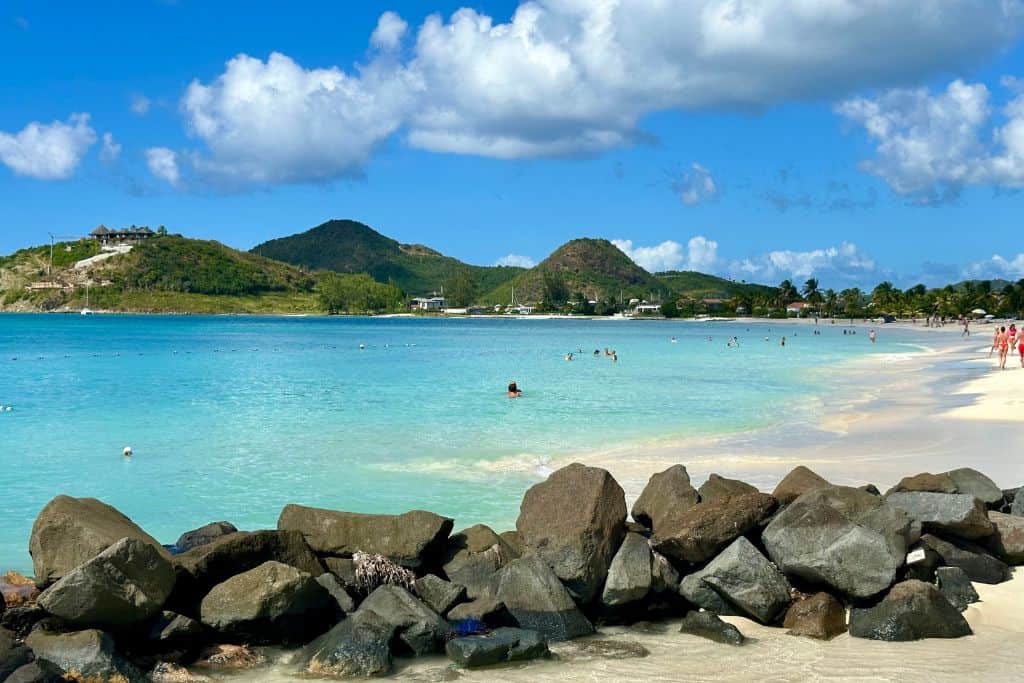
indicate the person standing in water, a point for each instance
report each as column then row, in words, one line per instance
column 513, row 390
column 872, row 336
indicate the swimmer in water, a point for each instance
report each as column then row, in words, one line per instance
column 783, row 343
column 872, row 336
column 674, row 340
column 568, row 356
column 513, row 390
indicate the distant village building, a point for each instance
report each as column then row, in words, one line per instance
column 132, row 235
column 797, row 307
column 434, row 303
column 647, row 308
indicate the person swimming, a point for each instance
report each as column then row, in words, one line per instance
column 674, row 340
column 568, row 356
column 513, row 390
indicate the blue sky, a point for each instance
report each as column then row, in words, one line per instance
column 851, row 140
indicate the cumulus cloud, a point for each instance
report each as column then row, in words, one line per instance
column 843, row 265
column 140, row 104
column 930, row 146
column 277, row 122
column 997, row 267
column 48, row 151
column 695, row 186
column 699, row 254
column 571, row 78
column 516, row 260
column 110, row 149
column 390, row 30
column 163, row 163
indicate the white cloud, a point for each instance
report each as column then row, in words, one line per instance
column 140, row 104
column 48, row 151
column 390, row 30
column 837, row 266
column 700, row 254
column 111, row 149
column 516, row 260
column 277, row 122
column 997, row 267
column 163, row 163
column 695, row 186
column 931, row 146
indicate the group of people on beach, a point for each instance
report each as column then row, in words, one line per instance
column 1006, row 341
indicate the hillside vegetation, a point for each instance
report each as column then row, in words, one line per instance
column 694, row 285
column 346, row 246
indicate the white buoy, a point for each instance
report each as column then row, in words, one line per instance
column 127, row 451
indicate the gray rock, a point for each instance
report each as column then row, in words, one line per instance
column 973, row 559
column 125, row 584
column 799, row 481
column 202, row 568
column 840, row 537
column 709, row 626
column 515, row 541
column 500, row 646
column 13, row 655
column 413, row 539
column 1017, row 506
column 667, row 493
column 717, row 487
column 698, row 593
column 342, row 567
column 172, row 631
column 745, row 578
column 39, row 671
column 704, row 530
column 472, row 557
column 575, row 521
column 664, row 577
column 22, row 619
column 629, row 577
column 954, row 583
column 417, row 626
column 71, row 531
column 89, row 654
column 1007, row 543
column 926, row 481
column 440, row 595
column 957, row 514
column 346, row 604
column 818, row 616
column 911, row 611
column 359, row 646
column 870, row 488
column 487, row 609
column 537, row 600
column 273, row 602
column 203, row 535
column 974, row 483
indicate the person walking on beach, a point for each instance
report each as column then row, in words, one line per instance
column 1020, row 348
column 967, row 328
column 1003, row 342
column 995, row 342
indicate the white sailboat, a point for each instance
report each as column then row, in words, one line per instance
column 87, row 310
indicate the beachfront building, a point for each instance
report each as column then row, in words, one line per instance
column 133, row 235
column 648, row 309
column 434, row 303
column 798, row 308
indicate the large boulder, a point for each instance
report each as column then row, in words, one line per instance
column 473, row 555
column 744, row 577
column 13, row 654
column 630, row 576
column 70, row 531
column 945, row 513
column 38, row 671
column 799, row 481
column 911, row 611
column 974, row 483
column 537, row 600
column 842, row 538
column 413, row 539
column 818, row 616
column 172, row 632
column 486, row 609
column 926, row 481
column 693, row 589
column 203, row 535
column 22, row 619
column 718, row 486
column 707, row 625
column 1017, row 506
column 1007, row 543
column 127, row 583
column 417, row 627
column 440, row 595
column 667, row 494
column 954, row 583
column 575, row 521
column 90, row 655
column 274, row 602
column 497, row 647
column 701, row 532
column 205, row 566
column 358, row 647
column 973, row 559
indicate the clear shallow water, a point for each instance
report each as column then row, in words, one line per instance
column 231, row 418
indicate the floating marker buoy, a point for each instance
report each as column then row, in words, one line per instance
column 127, row 451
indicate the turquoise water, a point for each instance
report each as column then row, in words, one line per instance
column 232, row 418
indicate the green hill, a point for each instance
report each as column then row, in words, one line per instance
column 694, row 285
column 346, row 246
column 594, row 267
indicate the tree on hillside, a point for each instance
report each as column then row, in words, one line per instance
column 556, row 291
column 460, row 289
column 340, row 293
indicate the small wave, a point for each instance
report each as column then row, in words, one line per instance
column 473, row 470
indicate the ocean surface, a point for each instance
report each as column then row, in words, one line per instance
column 233, row 417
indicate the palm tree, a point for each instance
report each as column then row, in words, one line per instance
column 787, row 293
column 812, row 294
column 831, row 300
